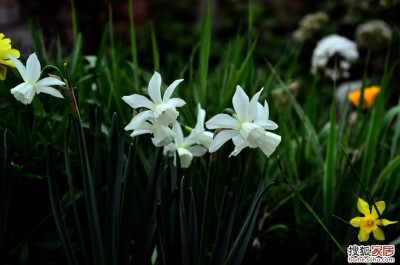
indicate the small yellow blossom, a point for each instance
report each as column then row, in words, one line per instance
column 370, row 94
column 369, row 223
column 5, row 48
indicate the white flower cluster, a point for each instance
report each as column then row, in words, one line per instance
column 246, row 128
column 160, row 115
column 333, row 55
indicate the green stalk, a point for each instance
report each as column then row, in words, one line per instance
column 133, row 44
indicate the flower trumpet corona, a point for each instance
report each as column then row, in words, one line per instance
column 32, row 85
column 369, row 223
column 5, row 49
column 248, row 129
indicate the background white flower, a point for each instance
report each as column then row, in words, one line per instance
column 185, row 146
column 249, row 129
column 26, row 91
column 323, row 58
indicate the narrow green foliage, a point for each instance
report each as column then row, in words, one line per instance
column 236, row 255
column 56, row 209
column 204, row 52
column 74, row 21
column 330, row 162
column 5, row 189
column 116, row 148
column 311, row 210
column 156, row 56
column 132, row 35
column 187, row 240
column 72, row 193
column 209, row 194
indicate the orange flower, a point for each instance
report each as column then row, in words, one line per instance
column 370, row 94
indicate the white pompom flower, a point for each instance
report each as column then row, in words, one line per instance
column 248, row 130
column 333, row 56
column 26, row 91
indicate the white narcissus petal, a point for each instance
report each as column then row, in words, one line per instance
column 206, row 138
column 170, row 90
column 197, row 150
column 175, row 102
column 24, row 93
column 49, row 81
column 252, row 134
column 138, row 101
column 252, row 108
column 49, row 90
column 163, row 136
column 176, row 128
column 222, row 121
column 154, row 88
column 240, row 103
column 221, row 138
column 33, row 68
column 201, row 116
column 271, row 141
column 138, row 118
column 20, row 67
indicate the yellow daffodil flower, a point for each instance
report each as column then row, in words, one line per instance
column 370, row 94
column 5, row 48
column 369, row 223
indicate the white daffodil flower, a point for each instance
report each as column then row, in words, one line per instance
column 32, row 85
column 163, row 135
column 185, row 146
column 248, row 130
column 162, row 110
column 199, row 134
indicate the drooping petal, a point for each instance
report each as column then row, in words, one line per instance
column 356, row 221
column 378, row 234
column 138, row 124
column 139, row 118
column 197, row 150
column 138, row 101
column 49, row 81
column 240, row 144
column 271, row 141
column 154, row 88
column 20, row 67
column 49, row 90
column 222, row 121
column 170, row 90
column 176, row 128
column 363, row 235
column 24, row 93
column 221, row 138
column 363, row 207
column 32, row 68
column 253, row 105
column 268, row 125
column 175, row 102
column 381, row 207
column 385, row 222
column 140, row 132
column 240, row 103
